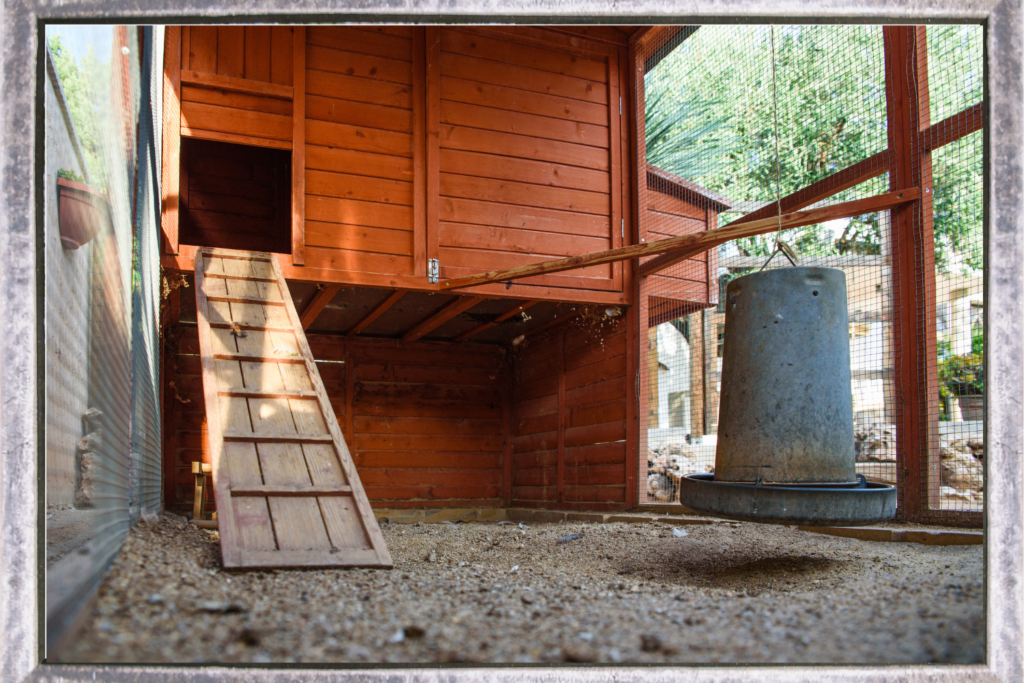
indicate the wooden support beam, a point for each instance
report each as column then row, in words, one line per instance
column 508, row 374
column 419, row 151
column 432, row 66
column 563, row 416
column 171, row 158
column 694, row 243
column 350, row 392
column 239, row 85
column 633, row 359
column 515, row 310
column 951, row 129
column 317, row 304
column 267, row 393
column 225, row 276
column 277, row 437
column 299, row 147
column 850, row 176
column 200, row 470
column 446, row 313
column 255, row 328
column 244, row 358
column 744, row 228
column 913, row 333
column 377, row 312
column 281, row 490
column 245, row 300
column 315, row 274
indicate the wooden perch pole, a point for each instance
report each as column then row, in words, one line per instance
column 694, row 244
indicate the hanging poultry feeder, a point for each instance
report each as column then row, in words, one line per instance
column 785, row 433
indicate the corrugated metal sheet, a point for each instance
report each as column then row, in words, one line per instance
column 118, row 458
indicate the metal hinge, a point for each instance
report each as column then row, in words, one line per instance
column 433, row 270
column 622, row 229
column 620, row 106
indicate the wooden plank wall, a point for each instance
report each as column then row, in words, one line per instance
column 690, row 284
column 257, row 54
column 569, row 419
column 423, row 422
column 527, row 168
column 482, row 147
column 359, row 149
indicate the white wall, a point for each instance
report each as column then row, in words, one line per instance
column 67, row 297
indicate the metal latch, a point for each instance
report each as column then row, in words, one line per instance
column 433, row 270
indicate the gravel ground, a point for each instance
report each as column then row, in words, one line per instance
column 480, row 593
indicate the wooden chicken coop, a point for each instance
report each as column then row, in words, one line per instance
column 460, row 214
column 380, row 162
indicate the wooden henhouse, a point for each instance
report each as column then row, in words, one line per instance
column 391, row 171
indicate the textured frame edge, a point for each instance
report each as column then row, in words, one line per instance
column 20, row 345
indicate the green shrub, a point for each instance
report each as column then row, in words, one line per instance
column 67, row 174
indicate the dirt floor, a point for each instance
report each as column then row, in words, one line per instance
column 486, row 592
column 68, row 530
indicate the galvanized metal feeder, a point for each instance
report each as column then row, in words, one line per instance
column 785, row 433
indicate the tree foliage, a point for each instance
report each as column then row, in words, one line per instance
column 81, row 86
column 719, row 114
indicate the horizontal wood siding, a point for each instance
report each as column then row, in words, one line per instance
column 592, row 373
column 525, row 160
column 254, row 54
column 425, row 428
column 689, row 282
column 483, row 147
column 359, row 151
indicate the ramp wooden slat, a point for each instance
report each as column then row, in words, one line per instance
column 287, row 490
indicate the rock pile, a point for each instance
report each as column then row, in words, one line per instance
column 89, row 464
column 962, row 473
column 666, row 465
column 873, row 441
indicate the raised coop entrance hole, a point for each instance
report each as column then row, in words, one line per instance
column 235, row 196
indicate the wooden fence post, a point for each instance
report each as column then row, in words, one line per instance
column 913, row 252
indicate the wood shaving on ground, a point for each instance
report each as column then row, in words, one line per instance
column 621, row 593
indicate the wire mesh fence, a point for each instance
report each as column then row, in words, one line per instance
column 101, row 209
column 744, row 123
column 955, row 86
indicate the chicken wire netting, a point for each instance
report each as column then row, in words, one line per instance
column 101, row 266
column 744, row 123
column 956, row 89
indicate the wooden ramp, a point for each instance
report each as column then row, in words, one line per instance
column 287, row 491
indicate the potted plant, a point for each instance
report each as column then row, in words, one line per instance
column 963, row 377
column 82, row 210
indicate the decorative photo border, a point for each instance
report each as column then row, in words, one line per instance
column 22, row 513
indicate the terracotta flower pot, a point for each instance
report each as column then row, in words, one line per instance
column 82, row 212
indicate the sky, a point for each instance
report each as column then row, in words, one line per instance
column 79, row 38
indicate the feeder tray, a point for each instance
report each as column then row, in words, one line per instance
column 785, row 435
column 811, row 504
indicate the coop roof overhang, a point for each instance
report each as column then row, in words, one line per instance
column 660, row 180
column 663, row 40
